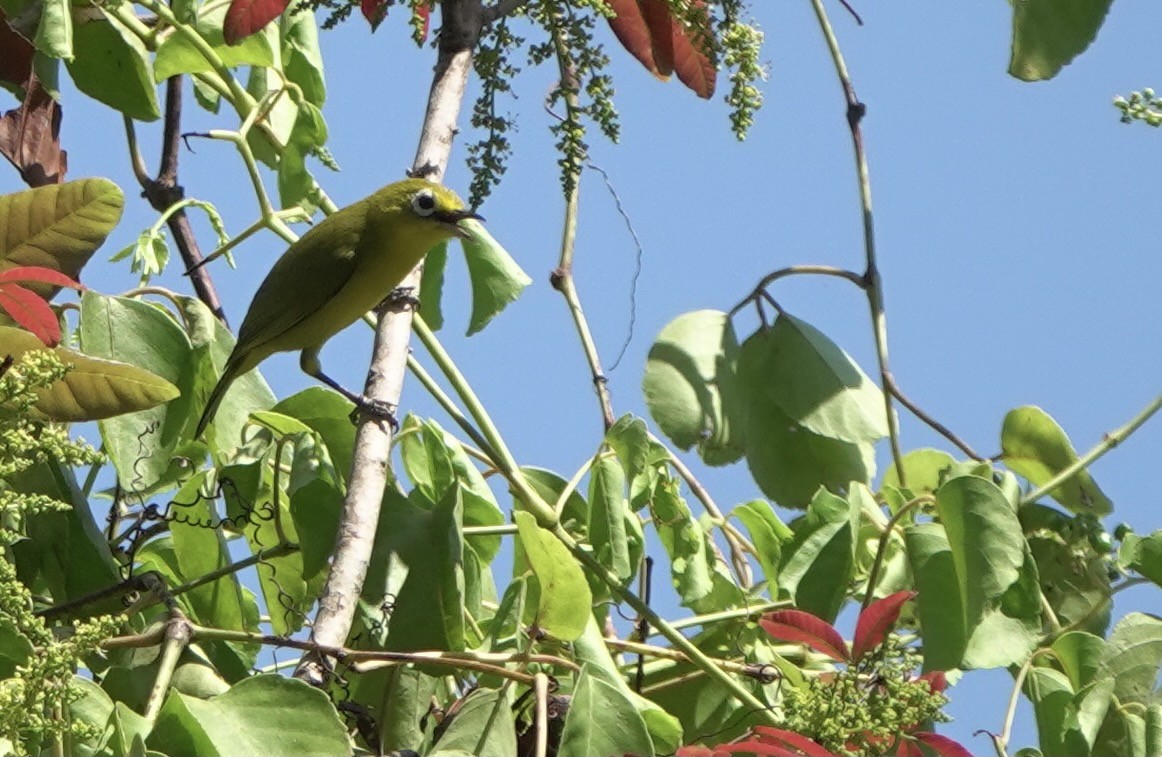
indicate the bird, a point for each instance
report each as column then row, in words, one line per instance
column 335, row 273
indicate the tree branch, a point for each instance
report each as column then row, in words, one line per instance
column 462, row 21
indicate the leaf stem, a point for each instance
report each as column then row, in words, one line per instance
column 675, row 637
column 882, row 548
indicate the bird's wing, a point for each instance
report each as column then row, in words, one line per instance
column 308, row 275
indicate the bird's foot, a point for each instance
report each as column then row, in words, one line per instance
column 427, row 169
column 377, row 410
column 400, row 298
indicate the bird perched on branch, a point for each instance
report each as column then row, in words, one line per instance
column 335, row 273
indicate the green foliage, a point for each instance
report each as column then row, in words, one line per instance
column 1001, row 578
column 862, row 709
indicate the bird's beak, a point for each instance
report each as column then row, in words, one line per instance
column 453, row 218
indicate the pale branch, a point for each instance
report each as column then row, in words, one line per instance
column 562, row 277
column 360, row 513
column 873, row 286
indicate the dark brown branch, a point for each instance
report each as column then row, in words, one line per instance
column 165, row 190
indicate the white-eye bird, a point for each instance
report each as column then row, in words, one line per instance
column 335, row 273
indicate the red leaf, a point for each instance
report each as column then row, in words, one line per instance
column 374, row 11
column 39, row 273
column 629, row 26
column 796, row 625
column 942, row 745
column 245, row 17
column 15, row 54
column 660, row 25
column 908, row 748
column 936, row 679
column 875, row 622
column 794, row 741
column 758, row 748
column 30, row 311
column 696, row 750
column 691, row 54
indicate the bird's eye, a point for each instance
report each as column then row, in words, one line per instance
column 424, row 203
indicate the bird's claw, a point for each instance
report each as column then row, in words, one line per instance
column 378, row 410
column 400, row 297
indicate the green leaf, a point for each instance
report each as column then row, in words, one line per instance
column 788, row 461
column 1132, row 655
column 129, row 731
column 1080, row 654
column 591, row 653
column 607, row 531
column 59, row 226
column 483, row 725
column 140, row 445
column 54, row 35
column 15, row 648
column 432, row 286
column 315, row 508
column 1074, row 577
column 549, row 486
column 429, row 604
column 408, row 698
column 178, row 54
column 261, row 715
column 111, row 65
column 65, row 552
column 924, row 469
column 1122, row 732
column 1053, row 707
column 640, row 457
column 301, row 57
column 204, row 94
column 702, row 581
column 603, row 721
column 92, row 707
column 1038, row 449
column 1143, row 554
column 94, row 388
column 496, row 278
column 815, row 383
column 940, row 602
column 689, row 386
column 768, row 534
column 1049, row 34
column 995, row 571
column 819, row 562
column 296, row 186
column 565, row 602
column 210, row 344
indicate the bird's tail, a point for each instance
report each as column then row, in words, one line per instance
column 228, row 376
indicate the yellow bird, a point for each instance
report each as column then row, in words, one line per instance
column 335, row 273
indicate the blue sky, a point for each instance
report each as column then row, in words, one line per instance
column 1015, row 225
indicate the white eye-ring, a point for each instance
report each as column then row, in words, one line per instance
column 424, row 202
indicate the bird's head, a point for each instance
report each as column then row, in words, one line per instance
column 436, row 203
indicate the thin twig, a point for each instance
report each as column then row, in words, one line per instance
column 798, row 270
column 916, row 410
column 541, row 689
